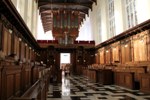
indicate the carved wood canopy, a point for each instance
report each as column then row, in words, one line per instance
column 63, row 17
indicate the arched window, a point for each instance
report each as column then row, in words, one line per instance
column 131, row 13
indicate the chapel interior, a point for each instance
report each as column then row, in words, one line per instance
column 74, row 50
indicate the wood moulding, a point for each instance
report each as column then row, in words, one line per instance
column 132, row 31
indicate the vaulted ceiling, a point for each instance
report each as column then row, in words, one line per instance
column 63, row 16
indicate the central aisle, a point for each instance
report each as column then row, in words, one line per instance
column 80, row 88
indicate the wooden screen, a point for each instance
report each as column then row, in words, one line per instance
column 140, row 47
column 6, row 42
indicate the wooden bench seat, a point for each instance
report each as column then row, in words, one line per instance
column 124, row 79
column 145, row 83
column 132, row 72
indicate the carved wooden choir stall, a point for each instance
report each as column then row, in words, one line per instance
column 123, row 60
column 22, row 76
column 125, row 57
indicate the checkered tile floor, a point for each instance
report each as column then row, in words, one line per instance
column 80, row 88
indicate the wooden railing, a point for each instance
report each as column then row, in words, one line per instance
column 35, row 92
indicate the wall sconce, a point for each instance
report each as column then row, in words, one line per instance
column 20, row 39
column 77, row 60
column 126, row 46
column 84, row 60
column 10, row 31
column 41, row 62
column 25, row 44
column 54, row 60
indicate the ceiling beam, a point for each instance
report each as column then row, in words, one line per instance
column 94, row 1
column 47, row 23
column 46, row 16
column 85, row 11
column 41, row 4
column 48, row 28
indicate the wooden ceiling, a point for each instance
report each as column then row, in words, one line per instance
column 49, row 8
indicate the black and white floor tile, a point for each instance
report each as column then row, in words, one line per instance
column 80, row 88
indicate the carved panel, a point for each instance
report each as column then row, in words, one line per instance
column 22, row 50
column 33, row 55
column 145, row 83
column 17, row 84
column 129, row 81
column 148, row 45
column 126, row 52
column 139, row 41
column 27, row 78
column 108, row 56
column 101, row 51
column 115, row 52
column 97, row 56
column 10, row 86
column 9, row 43
column 1, row 31
column 16, row 46
column 5, row 41
column 80, row 53
column 27, row 52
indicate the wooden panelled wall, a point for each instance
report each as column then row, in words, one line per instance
column 20, row 74
column 12, row 43
column 131, row 49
